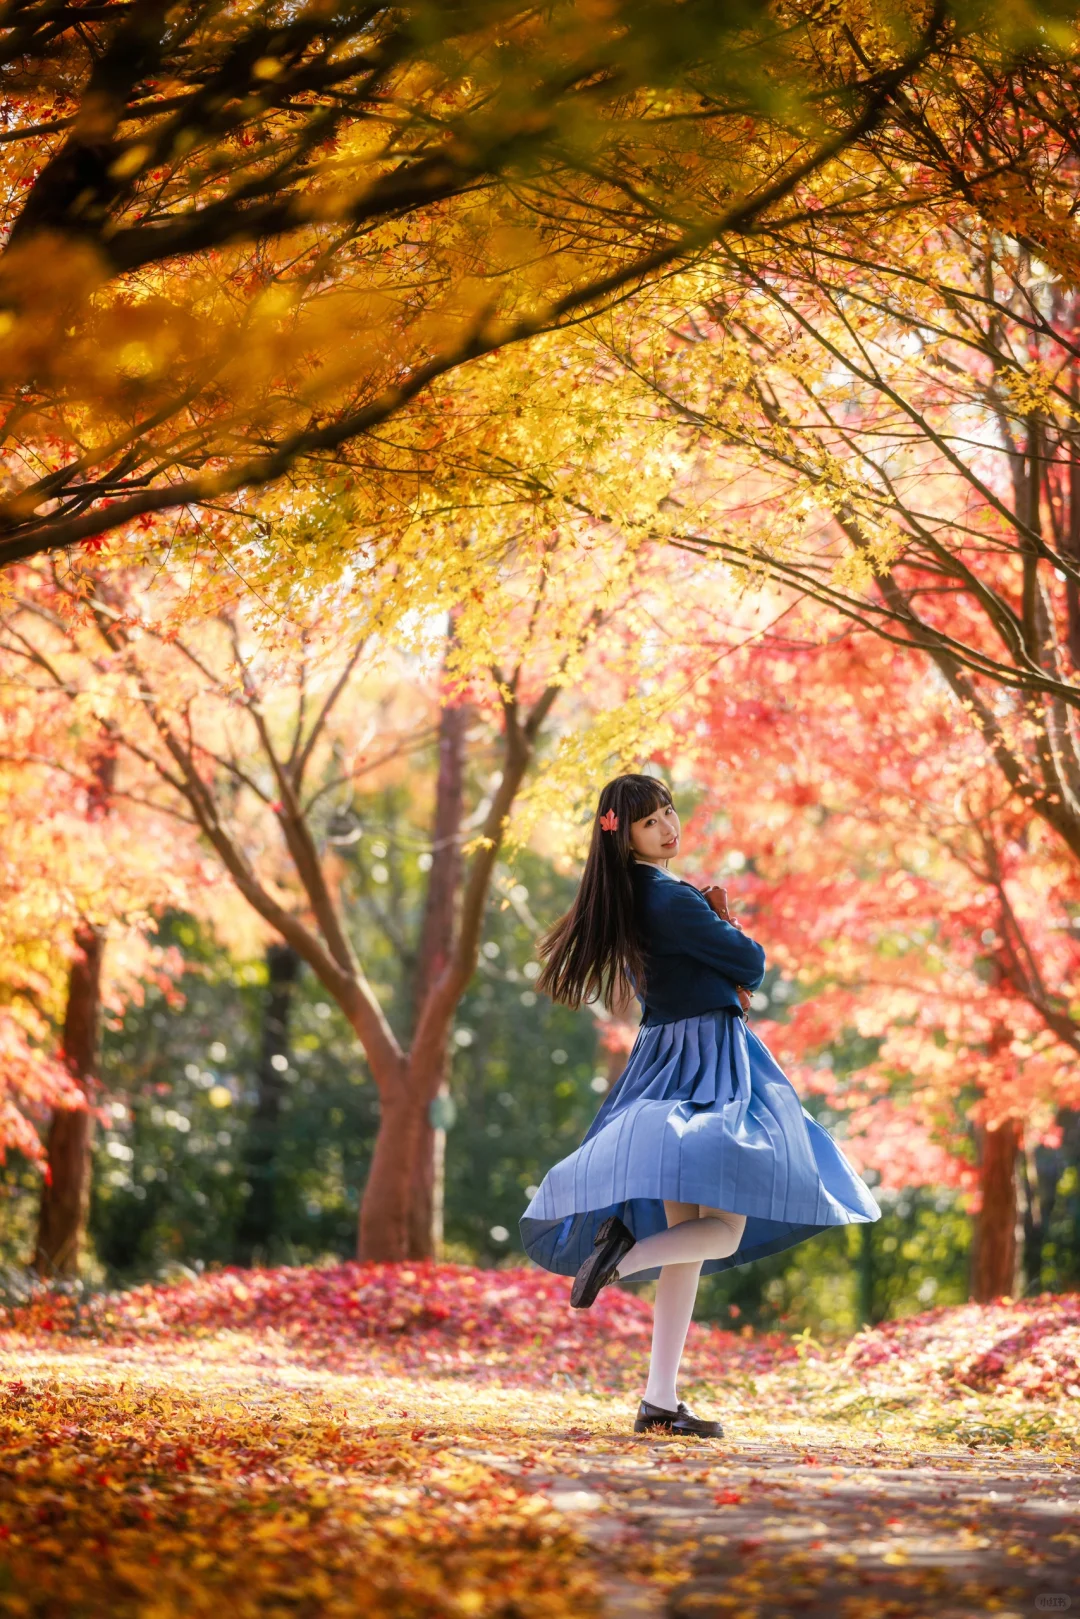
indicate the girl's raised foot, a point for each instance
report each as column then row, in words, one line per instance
column 611, row 1242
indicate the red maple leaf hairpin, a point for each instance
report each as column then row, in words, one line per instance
column 609, row 822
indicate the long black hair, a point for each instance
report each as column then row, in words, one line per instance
column 594, row 950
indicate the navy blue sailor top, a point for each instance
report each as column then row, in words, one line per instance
column 694, row 961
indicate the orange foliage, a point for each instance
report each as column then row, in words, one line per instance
column 65, row 861
column 917, row 906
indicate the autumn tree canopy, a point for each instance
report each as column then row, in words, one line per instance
column 879, row 419
column 242, row 241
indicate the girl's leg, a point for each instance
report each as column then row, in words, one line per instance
column 692, row 1234
column 675, row 1294
column 677, row 1288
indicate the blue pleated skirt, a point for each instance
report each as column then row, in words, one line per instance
column 702, row 1113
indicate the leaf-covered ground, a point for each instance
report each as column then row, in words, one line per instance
column 432, row 1440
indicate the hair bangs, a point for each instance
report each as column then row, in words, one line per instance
column 644, row 795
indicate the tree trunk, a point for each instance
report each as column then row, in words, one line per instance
column 1032, row 1220
column 1072, row 542
column 994, row 1253
column 426, row 1210
column 445, row 1105
column 1041, row 1170
column 436, row 939
column 258, row 1221
column 386, row 1207
column 866, row 1277
column 65, row 1198
column 403, row 1172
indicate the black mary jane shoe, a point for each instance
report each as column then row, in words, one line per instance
column 679, row 1422
column 611, row 1242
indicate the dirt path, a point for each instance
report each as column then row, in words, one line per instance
column 826, row 1530
column 226, row 1476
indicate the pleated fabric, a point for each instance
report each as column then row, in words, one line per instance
column 702, row 1113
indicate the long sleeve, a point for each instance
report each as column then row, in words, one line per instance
column 682, row 922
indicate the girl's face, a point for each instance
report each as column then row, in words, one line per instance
column 656, row 836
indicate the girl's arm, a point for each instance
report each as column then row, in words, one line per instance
column 690, row 926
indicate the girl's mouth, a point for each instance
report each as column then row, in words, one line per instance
column 670, row 845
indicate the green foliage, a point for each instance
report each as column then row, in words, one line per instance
column 187, row 1078
column 170, row 1172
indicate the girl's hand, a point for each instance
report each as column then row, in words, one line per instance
column 717, row 898
column 744, row 997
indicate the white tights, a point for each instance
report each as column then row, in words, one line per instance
column 693, row 1235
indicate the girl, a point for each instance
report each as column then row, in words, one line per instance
column 701, row 1156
